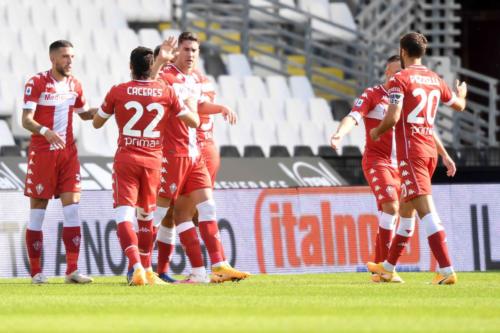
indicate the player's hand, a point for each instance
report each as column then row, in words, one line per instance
column 168, row 50
column 54, row 139
column 374, row 134
column 192, row 104
column 451, row 168
column 335, row 141
column 461, row 88
column 229, row 115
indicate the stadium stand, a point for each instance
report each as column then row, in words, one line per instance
column 289, row 90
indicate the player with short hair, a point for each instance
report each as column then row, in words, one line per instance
column 185, row 179
column 50, row 98
column 414, row 96
column 379, row 159
column 142, row 109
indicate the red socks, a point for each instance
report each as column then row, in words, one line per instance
column 145, row 241
column 437, row 243
column 209, row 232
column 128, row 241
column 34, row 244
column 71, row 237
column 191, row 243
column 165, row 252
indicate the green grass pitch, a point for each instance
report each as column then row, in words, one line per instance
column 344, row 302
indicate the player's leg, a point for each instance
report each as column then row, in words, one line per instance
column 126, row 182
column 34, row 238
column 39, row 186
column 182, row 213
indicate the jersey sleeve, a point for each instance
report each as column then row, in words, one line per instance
column 32, row 92
column 81, row 102
column 108, row 106
column 176, row 107
column 396, row 90
column 207, row 90
column 362, row 105
column 448, row 97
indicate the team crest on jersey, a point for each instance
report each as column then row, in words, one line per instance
column 39, row 188
column 173, row 188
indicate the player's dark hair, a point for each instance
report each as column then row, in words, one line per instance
column 392, row 59
column 58, row 44
column 187, row 35
column 156, row 51
column 414, row 44
column 141, row 60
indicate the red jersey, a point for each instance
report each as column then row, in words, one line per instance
column 181, row 140
column 141, row 110
column 371, row 106
column 53, row 102
column 419, row 90
column 205, row 132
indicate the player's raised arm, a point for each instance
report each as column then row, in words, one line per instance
column 213, row 108
column 448, row 162
column 167, row 53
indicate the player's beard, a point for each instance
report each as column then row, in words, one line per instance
column 401, row 59
column 62, row 71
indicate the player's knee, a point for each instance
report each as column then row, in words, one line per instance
column 142, row 215
column 406, row 226
column 432, row 223
column 390, row 208
column 124, row 214
column 71, row 215
column 207, row 211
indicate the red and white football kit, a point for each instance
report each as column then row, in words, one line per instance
column 205, row 132
column 420, row 90
column 183, row 168
column 53, row 171
column 379, row 159
column 141, row 109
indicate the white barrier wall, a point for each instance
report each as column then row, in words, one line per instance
column 271, row 231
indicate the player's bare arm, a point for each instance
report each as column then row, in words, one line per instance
column 213, row 108
column 190, row 116
column 34, row 127
column 448, row 162
column 390, row 119
column 98, row 121
column 461, row 92
column 168, row 51
column 345, row 126
column 88, row 115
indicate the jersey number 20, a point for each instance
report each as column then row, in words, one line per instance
column 429, row 102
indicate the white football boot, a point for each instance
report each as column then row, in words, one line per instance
column 77, row 277
column 39, row 278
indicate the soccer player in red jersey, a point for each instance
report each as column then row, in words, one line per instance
column 142, row 108
column 50, row 98
column 414, row 95
column 379, row 160
column 185, row 179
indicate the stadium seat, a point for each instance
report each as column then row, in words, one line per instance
column 327, row 152
column 241, row 135
column 126, row 40
column 320, row 111
column 259, row 15
column 264, row 134
column 6, row 138
column 279, row 151
column 341, row 14
column 254, row 87
column 229, row 151
column 357, row 136
column 169, row 33
column 82, row 42
column 277, row 87
column 90, row 17
column 229, row 102
column 248, row 110
column 213, row 61
column 290, row 14
column 93, row 141
column 273, row 64
column 311, row 135
column 41, row 15
column 302, row 151
column 301, row 88
column 340, row 109
column 253, row 151
column 288, row 135
column 52, row 34
column 296, row 111
column 96, row 63
column 221, row 136
column 10, row 151
column 273, row 109
column 155, row 10
column 31, row 41
column 132, row 9
column 238, row 65
column 66, row 17
column 351, row 151
column 17, row 16
column 230, row 86
column 113, row 17
column 104, row 42
column 9, row 37
column 9, row 89
column 149, row 37
column 23, row 65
